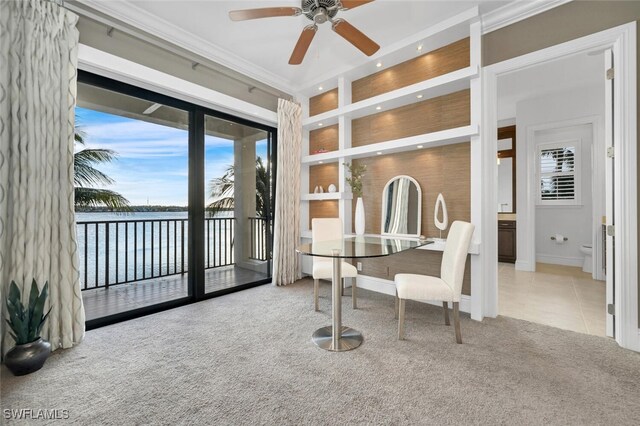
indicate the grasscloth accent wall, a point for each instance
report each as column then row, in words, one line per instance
column 432, row 64
column 567, row 22
column 444, row 112
column 324, row 175
column 446, row 170
column 324, row 138
column 323, row 102
column 322, row 209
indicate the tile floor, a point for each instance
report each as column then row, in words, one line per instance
column 555, row 295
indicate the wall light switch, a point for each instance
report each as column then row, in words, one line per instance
column 359, row 266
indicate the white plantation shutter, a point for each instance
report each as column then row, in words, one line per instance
column 558, row 182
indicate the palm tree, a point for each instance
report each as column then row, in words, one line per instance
column 221, row 189
column 85, row 176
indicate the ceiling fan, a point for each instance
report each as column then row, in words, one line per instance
column 319, row 11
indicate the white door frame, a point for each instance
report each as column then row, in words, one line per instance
column 622, row 40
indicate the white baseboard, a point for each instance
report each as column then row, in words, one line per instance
column 559, row 260
column 389, row 287
column 523, row 265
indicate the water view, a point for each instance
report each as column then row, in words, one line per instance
column 123, row 247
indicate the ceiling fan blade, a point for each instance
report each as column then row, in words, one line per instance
column 355, row 37
column 303, row 44
column 350, row 4
column 266, row 12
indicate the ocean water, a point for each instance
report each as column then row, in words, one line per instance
column 117, row 248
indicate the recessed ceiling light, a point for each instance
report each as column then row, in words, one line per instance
column 420, row 146
column 319, row 87
column 378, row 107
column 419, row 96
column 379, row 64
column 320, row 162
column 319, row 124
column 379, row 153
column 419, row 48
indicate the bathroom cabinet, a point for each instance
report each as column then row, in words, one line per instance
column 507, row 241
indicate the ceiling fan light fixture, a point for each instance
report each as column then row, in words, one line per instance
column 319, row 12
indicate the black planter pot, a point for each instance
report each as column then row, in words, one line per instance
column 27, row 358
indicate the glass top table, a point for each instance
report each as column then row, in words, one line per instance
column 350, row 248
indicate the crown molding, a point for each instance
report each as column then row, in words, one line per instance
column 516, row 11
column 138, row 18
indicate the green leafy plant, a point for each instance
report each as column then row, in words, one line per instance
column 355, row 180
column 26, row 322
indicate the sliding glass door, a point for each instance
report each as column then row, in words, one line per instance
column 131, row 161
column 237, row 204
column 173, row 201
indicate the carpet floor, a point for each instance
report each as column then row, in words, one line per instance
column 247, row 358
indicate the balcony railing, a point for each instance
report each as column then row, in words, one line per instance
column 125, row 251
column 258, row 245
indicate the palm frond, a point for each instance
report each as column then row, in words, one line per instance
column 85, row 197
column 85, row 174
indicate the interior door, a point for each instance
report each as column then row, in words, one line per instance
column 610, row 193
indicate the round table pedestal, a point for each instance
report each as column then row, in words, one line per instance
column 350, row 339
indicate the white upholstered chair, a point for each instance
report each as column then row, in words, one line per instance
column 447, row 288
column 327, row 230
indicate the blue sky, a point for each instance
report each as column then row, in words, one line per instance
column 152, row 163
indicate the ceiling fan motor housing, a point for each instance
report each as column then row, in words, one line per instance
column 317, row 10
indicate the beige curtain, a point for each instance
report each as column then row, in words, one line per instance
column 286, row 226
column 38, row 68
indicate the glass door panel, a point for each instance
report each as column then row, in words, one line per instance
column 237, row 205
column 131, row 178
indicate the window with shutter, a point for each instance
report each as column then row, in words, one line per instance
column 558, row 173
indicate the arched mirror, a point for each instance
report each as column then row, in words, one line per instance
column 402, row 207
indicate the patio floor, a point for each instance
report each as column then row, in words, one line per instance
column 119, row 298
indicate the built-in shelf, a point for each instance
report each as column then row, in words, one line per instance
column 327, row 196
column 427, row 140
column 428, row 89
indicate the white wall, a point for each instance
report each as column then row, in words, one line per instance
column 573, row 222
column 561, row 109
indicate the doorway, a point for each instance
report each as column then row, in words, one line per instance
column 623, row 268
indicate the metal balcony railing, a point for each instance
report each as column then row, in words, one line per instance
column 125, row 251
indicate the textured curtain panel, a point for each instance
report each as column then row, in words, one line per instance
column 38, row 68
column 286, row 226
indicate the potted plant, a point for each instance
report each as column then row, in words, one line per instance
column 355, row 182
column 31, row 350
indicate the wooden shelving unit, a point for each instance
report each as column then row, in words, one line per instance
column 346, row 115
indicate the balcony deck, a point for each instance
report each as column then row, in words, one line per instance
column 119, row 298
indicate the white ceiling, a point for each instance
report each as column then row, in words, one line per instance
column 266, row 44
column 583, row 71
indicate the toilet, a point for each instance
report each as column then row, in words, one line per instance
column 587, row 250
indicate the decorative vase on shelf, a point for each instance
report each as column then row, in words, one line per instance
column 359, row 217
column 441, row 224
column 332, row 188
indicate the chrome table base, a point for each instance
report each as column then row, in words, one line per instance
column 347, row 338
column 350, row 339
